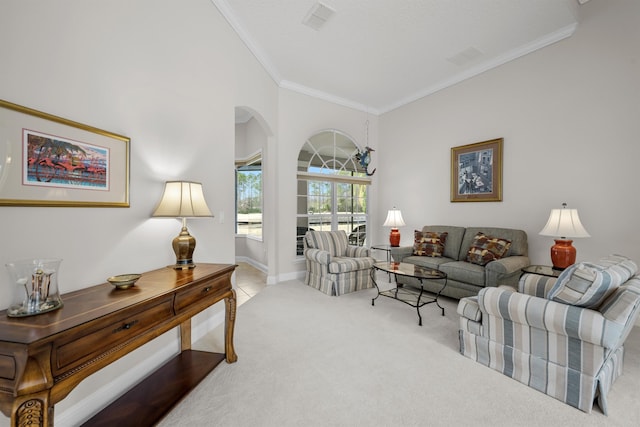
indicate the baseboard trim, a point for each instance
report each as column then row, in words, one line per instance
column 253, row 263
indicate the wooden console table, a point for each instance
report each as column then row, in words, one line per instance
column 43, row 357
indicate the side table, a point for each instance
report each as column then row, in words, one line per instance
column 387, row 249
column 383, row 247
column 543, row 270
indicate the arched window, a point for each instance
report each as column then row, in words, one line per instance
column 332, row 188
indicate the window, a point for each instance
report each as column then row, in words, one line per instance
column 332, row 188
column 249, row 197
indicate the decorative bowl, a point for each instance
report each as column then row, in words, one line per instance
column 124, row 281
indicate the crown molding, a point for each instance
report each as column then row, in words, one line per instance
column 262, row 58
column 305, row 90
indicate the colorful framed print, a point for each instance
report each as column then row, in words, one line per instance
column 46, row 160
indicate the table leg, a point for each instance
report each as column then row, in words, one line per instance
column 438, row 295
column 185, row 335
column 33, row 410
column 372, row 273
column 389, row 260
column 418, row 303
column 230, row 320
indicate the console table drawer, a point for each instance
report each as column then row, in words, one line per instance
column 72, row 351
column 8, row 367
column 201, row 294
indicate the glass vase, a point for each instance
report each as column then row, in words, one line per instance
column 35, row 287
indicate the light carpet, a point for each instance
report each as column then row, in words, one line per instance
column 307, row 359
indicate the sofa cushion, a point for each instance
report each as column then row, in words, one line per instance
column 429, row 243
column 465, row 272
column 485, row 249
column 427, row 261
column 588, row 284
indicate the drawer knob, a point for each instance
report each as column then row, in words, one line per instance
column 125, row 326
column 207, row 289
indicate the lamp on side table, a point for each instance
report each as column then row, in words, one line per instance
column 394, row 220
column 563, row 224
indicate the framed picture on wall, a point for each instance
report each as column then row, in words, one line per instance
column 46, row 160
column 476, row 172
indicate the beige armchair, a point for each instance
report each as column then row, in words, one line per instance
column 335, row 267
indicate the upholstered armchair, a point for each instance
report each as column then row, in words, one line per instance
column 335, row 267
column 562, row 336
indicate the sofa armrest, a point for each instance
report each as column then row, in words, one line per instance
column 354, row 251
column 318, row 255
column 561, row 319
column 505, row 271
column 536, row 285
column 400, row 253
column 468, row 308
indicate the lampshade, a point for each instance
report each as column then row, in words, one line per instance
column 183, row 199
column 394, row 219
column 563, row 224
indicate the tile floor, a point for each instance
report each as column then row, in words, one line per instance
column 249, row 281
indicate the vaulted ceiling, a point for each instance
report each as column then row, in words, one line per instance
column 377, row 55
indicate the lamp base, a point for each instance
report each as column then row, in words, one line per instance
column 183, row 246
column 563, row 254
column 394, row 238
column 183, row 266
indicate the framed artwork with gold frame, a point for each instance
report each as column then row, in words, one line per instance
column 476, row 172
column 46, row 160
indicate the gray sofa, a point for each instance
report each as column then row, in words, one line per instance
column 466, row 278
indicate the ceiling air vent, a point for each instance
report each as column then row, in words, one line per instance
column 318, row 16
column 465, row 57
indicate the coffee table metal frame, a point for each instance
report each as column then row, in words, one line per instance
column 406, row 293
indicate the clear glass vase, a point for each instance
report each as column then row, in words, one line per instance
column 35, row 287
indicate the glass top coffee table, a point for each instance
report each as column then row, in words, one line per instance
column 411, row 295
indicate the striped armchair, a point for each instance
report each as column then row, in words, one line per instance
column 335, row 267
column 572, row 350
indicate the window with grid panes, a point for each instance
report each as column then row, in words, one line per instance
column 332, row 188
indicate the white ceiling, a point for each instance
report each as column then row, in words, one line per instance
column 377, row 55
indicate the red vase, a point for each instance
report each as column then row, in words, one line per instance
column 394, row 237
column 563, row 254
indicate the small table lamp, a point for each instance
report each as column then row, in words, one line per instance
column 563, row 223
column 394, row 220
column 183, row 199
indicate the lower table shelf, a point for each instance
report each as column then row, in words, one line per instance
column 147, row 402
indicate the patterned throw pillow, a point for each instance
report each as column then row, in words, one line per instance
column 429, row 243
column 485, row 249
column 588, row 284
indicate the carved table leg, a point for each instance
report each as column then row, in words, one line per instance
column 32, row 411
column 230, row 320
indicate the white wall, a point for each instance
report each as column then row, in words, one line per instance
column 569, row 118
column 166, row 74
